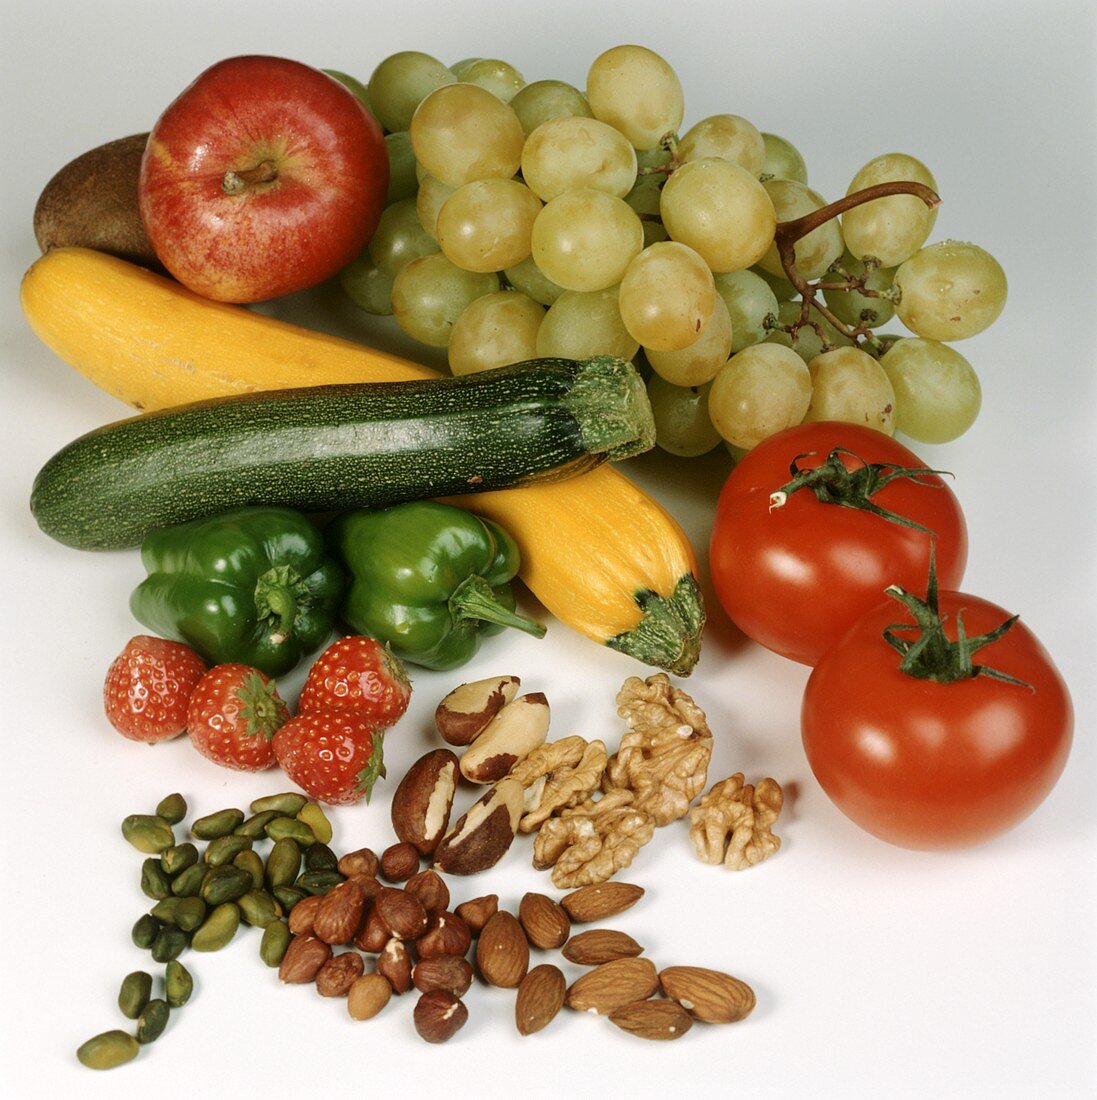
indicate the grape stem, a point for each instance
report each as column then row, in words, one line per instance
column 788, row 233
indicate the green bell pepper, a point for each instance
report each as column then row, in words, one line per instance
column 255, row 585
column 427, row 579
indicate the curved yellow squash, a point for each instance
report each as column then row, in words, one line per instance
column 597, row 551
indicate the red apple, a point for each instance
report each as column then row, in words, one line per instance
column 265, row 176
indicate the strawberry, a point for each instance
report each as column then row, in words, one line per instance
column 148, row 686
column 361, row 673
column 233, row 715
column 334, row 756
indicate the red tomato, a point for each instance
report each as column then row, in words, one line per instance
column 930, row 765
column 795, row 577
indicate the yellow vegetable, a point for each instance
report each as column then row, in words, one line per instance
column 597, row 551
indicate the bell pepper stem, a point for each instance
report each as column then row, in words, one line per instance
column 473, row 598
column 276, row 602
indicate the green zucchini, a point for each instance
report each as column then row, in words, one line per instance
column 329, row 448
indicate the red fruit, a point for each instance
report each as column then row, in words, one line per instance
column 233, row 715
column 148, row 686
column 334, row 756
column 361, row 673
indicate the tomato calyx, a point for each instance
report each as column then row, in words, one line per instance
column 834, row 483
column 933, row 656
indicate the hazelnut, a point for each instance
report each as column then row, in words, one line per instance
column 430, row 890
column 449, row 972
column 338, row 974
column 399, row 862
column 439, row 1015
column 394, row 963
column 478, row 911
column 361, row 862
column 447, row 934
column 401, row 914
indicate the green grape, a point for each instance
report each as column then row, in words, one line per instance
column 353, row 85
column 429, row 200
column 782, row 289
column 666, row 296
column 495, row 331
column 783, row 160
column 950, row 290
column 813, row 253
column 890, row 229
column 848, row 384
column 726, row 137
column 807, row 343
column 637, row 92
column 762, row 390
column 461, row 133
column 585, row 239
column 577, row 152
column 721, row 211
column 403, row 177
column 645, row 194
column 367, row 286
column 498, row 77
column 749, row 302
column 545, row 99
column 659, row 157
column 401, row 82
column 654, row 232
column 937, row 393
column 399, row 238
column 698, row 363
column 580, row 324
column 430, row 293
column 532, row 281
column 682, row 424
column 851, row 306
column 486, row 225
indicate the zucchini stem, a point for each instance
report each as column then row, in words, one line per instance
column 610, row 402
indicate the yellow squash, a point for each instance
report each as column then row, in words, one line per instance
column 597, row 551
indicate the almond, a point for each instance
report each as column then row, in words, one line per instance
column 652, row 1019
column 613, row 985
column 422, row 803
column 478, row 911
column 546, row 924
column 394, row 963
column 462, row 715
column 447, row 934
column 606, row 899
column 600, row 945
column 502, row 952
column 400, row 913
column 510, row 736
column 708, row 995
column 540, row 998
column 303, row 959
column 450, row 972
column 338, row 974
column 339, row 913
column 368, row 995
column 482, row 836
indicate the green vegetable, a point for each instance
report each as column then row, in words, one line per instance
column 324, row 448
column 427, row 579
column 253, row 586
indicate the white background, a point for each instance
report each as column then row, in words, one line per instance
column 879, row 972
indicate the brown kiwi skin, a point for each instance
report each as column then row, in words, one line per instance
column 92, row 202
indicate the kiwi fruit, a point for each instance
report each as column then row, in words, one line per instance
column 92, row 202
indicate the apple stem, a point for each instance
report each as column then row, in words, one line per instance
column 235, row 182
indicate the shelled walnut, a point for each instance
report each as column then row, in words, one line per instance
column 557, row 776
column 664, row 757
column 733, row 822
column 591, row 842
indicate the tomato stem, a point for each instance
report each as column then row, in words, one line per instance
column 835, row 483
column 933, row 656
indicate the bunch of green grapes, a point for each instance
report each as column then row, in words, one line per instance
column 528, row 220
